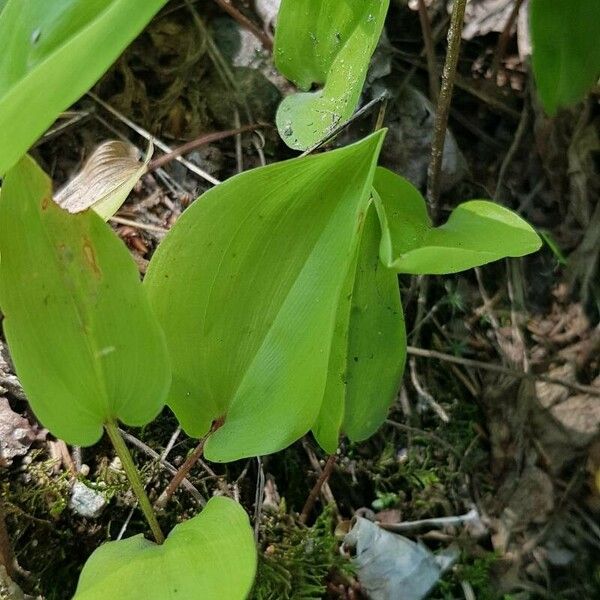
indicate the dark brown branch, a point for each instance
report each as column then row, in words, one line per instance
column 316, row 490
column 161, row 161
column 181, row 474
column 245, row 22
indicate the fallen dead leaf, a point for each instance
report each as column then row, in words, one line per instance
column 105, row 180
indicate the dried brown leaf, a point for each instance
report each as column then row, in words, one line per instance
column 105, row 180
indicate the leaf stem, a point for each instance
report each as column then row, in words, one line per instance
column 443, row 106
column 181, row 474
column 314, row 492
column 134, row 478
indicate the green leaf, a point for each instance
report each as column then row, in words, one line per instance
column 52, row 53
column 84, row 341
column 211, row 556
column 477, row 232
column 566, row 49
column 246, row 287
column 368, row 350
column 329, row 43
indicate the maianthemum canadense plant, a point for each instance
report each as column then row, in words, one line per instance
column 272, row 306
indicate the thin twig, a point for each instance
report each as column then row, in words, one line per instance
column 479, row 364
column 439, row 522
column 314, row 493
column 424, row 394
column 361, row 111
column 245, row 22
column 512, row 151
column 443, row 107
column 144, row 226
column 158, row 143
column 415, row 430
column 208, row 138
column 181, row 474
column 165, row 464
column 434, row 87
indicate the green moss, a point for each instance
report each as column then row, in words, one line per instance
column 297, row 560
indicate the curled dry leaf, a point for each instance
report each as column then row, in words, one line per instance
column 105, row 180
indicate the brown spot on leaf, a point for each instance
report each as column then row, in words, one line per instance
column 46, row 202
column 90, row 257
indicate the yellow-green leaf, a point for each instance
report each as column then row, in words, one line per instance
column 328, row 43
column 477, row 232
column 84, row 341
column 210, row 557
column 53, row 51
column 368, row 349
column 246, row 286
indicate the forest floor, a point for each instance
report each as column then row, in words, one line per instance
column 482, row 423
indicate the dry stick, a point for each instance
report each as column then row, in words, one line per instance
column 245, row 22
column 147, row 136
column 314, row 493
column 209, row 138
column 479, row 364
column 443, row 107
column 7, row 558
column 163, row 462
column 434, row 88
column 181, row 474
column 134, row 479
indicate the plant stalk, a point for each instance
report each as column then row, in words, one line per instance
column 134, row 478
column 181, row 474
column 315, row 491
column 443, row 106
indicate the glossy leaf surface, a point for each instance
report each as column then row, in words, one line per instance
column 84, row 341
column 52, row 53
column 566, row 50
column 246, row 286
column 328, row 43
column 477, row 232
column 368, row 350
column 211, row 556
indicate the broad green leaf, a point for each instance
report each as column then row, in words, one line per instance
column 246, row 286
column 52, row 53
column 565, row 35
column 328, row 43
column 368, row 349
column 477, row 232
column 210, row 557
column 84, row 341
column 105, row 180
